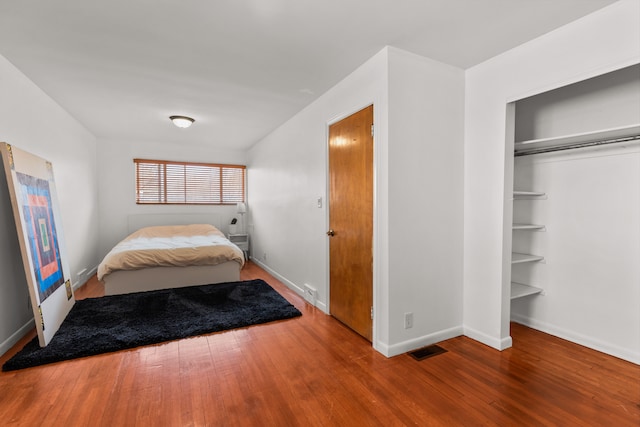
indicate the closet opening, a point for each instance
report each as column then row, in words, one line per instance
column 575, row 211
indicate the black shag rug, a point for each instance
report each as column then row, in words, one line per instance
column 118, row 322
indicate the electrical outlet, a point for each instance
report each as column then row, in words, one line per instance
column 408, row 320
column 310, row 294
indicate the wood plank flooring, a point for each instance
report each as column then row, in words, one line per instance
column 313, row 371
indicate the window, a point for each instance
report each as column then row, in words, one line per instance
column 167, row 182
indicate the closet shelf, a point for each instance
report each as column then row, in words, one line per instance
column 517, row 193
column 517, row 258
column 518, row 290
column 528, row 227
column 611, row 134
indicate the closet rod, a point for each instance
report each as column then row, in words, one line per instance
column 576, row 145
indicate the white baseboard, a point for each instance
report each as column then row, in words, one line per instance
column 607, row 348
column 497, row 343
column 415, row 343
column 297, row 289
column 85, row 279
column 7, row 344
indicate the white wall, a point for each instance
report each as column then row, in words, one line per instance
column 425, row 170
column 598, row 43
column 32, row 121
column 288, row 173
column 116, row 189
column 418, row 116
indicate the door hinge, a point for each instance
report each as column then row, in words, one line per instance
column 371, row 130
column 371, row 312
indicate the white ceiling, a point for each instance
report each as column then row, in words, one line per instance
column 241, row 67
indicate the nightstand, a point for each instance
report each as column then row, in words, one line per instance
column 241, row 240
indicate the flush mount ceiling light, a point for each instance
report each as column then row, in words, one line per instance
column 182, row 121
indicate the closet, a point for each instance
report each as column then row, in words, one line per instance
column 575, row 241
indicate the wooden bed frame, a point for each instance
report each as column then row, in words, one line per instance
column 148, row 279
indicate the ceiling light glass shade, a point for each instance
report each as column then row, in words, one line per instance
column 182, row 121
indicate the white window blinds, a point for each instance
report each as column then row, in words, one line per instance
column 169, row 182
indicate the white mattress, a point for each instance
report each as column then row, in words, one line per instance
column 148, row 279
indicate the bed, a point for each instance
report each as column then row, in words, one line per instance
column 158, row 256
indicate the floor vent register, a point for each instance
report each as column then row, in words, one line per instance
column 426, row 352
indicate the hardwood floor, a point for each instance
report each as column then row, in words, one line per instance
column 313, row 371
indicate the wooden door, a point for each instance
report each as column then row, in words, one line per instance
column 351, row 221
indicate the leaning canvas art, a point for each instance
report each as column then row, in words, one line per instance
column 35, row 210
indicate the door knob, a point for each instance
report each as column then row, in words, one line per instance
column 331, row 233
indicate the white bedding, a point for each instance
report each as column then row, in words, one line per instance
column 170, row 246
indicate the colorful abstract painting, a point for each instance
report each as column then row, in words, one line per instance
column 35, row 198
column 36, row 212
